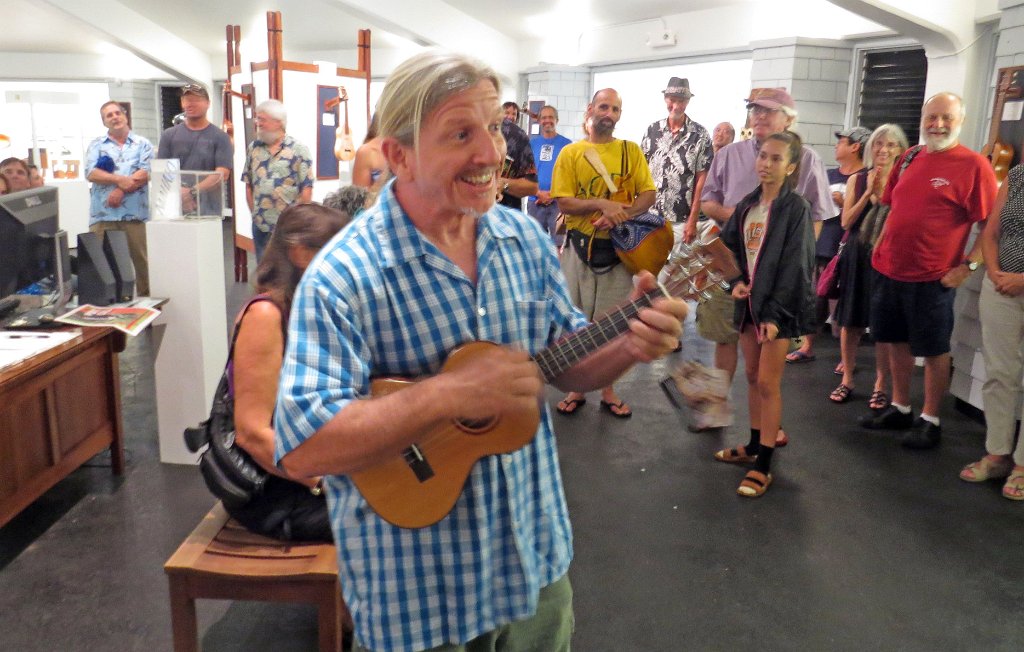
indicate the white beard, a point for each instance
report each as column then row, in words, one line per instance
column 941, row 143
column 269, row 137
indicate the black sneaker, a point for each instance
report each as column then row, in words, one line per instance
column 925, row 435
column 888, row 419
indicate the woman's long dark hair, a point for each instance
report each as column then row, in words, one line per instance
column 794, row 147
column 302, row 225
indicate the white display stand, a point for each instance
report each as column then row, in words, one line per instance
column 73, row 198
column 186, row 265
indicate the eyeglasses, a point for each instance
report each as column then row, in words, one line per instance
column 757, row 109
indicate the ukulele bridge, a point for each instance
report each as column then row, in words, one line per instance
column 417, row 463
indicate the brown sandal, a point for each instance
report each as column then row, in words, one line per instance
column 754, row 484
column 736, row 455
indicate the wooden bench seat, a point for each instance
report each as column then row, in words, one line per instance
column 222, row 560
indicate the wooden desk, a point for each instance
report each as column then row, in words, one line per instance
column 57, row 410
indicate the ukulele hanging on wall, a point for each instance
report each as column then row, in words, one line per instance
column 344, row 150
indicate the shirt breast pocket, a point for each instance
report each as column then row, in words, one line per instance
column 532, row 324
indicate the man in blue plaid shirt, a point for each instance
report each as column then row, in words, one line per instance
column 432, row 265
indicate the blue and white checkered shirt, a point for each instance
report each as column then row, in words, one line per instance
column 381, row 300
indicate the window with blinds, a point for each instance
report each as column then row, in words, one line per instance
column 892, row 89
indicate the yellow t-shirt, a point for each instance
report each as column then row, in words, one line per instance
column 574, row 176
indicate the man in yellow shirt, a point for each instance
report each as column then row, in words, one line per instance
column 597, row 280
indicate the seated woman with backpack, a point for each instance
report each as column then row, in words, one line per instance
column 286, row 508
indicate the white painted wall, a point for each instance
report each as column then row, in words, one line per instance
column 724, row 29
column 719, row 89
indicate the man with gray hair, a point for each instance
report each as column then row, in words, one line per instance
column 433, row 265
column 936, row 194
column 731, row 177
column 278, row 172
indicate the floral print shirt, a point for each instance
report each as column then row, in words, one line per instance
column 675, row 159
column 277, row 179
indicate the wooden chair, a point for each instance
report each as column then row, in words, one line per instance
column 222, row 560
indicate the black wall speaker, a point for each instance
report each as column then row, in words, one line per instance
column 96, row 282
column 115, row 245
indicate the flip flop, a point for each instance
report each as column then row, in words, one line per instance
column 571, row 405
column 781, row 439
column 799, row 356
column 621, row 405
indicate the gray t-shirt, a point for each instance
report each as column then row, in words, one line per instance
column 206, row 149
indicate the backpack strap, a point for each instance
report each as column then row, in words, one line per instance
column 911, row 153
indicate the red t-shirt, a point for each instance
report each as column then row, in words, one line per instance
column 933, row 204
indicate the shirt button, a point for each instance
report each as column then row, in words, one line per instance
column 481, row 311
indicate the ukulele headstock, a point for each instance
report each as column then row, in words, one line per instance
column 693, row 270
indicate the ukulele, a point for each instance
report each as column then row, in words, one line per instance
column 344, row 150
column 420, row 487
column 1000, row 154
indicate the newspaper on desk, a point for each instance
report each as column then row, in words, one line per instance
column 128, row 319
column 17, row 346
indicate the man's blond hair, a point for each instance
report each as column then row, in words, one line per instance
column 421, row 84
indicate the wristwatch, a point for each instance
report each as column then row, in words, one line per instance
column 971, row 264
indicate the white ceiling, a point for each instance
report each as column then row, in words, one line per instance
column 314, row 25
column 526, row 19
column 35, row 27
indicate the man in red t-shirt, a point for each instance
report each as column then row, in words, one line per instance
column 934, row 201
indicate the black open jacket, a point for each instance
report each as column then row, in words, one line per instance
column 781, row 284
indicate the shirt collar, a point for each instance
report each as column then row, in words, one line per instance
column 400, row 241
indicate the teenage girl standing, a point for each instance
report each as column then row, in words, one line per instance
column 773, row 240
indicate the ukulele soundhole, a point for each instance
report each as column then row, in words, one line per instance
column 476, row 426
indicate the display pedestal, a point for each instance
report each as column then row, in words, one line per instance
column 186, row 265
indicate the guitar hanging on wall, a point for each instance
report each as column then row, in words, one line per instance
column 999, row 153
column 344, row 149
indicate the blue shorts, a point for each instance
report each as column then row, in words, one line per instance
column 920, row 314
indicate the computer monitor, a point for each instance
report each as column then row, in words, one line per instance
column 30, row 243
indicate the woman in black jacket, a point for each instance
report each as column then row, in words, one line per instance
column 771, row 235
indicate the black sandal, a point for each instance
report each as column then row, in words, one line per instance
column 879, row 400
column 841, row 394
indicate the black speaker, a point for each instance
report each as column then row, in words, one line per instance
column 115, row 245
column 96, row 282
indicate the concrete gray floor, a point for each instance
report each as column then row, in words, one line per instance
column 858, row 544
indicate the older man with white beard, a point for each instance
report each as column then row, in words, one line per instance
column 935, row 199
column 278, row 172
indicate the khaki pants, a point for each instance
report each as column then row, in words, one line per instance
column 1002, row 334
column 595, row 294
column 136, row 232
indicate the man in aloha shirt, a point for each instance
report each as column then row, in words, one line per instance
column 678, row 151
column 278, row 172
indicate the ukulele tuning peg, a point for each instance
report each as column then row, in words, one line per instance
column 703, row 295
column 684, row 249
